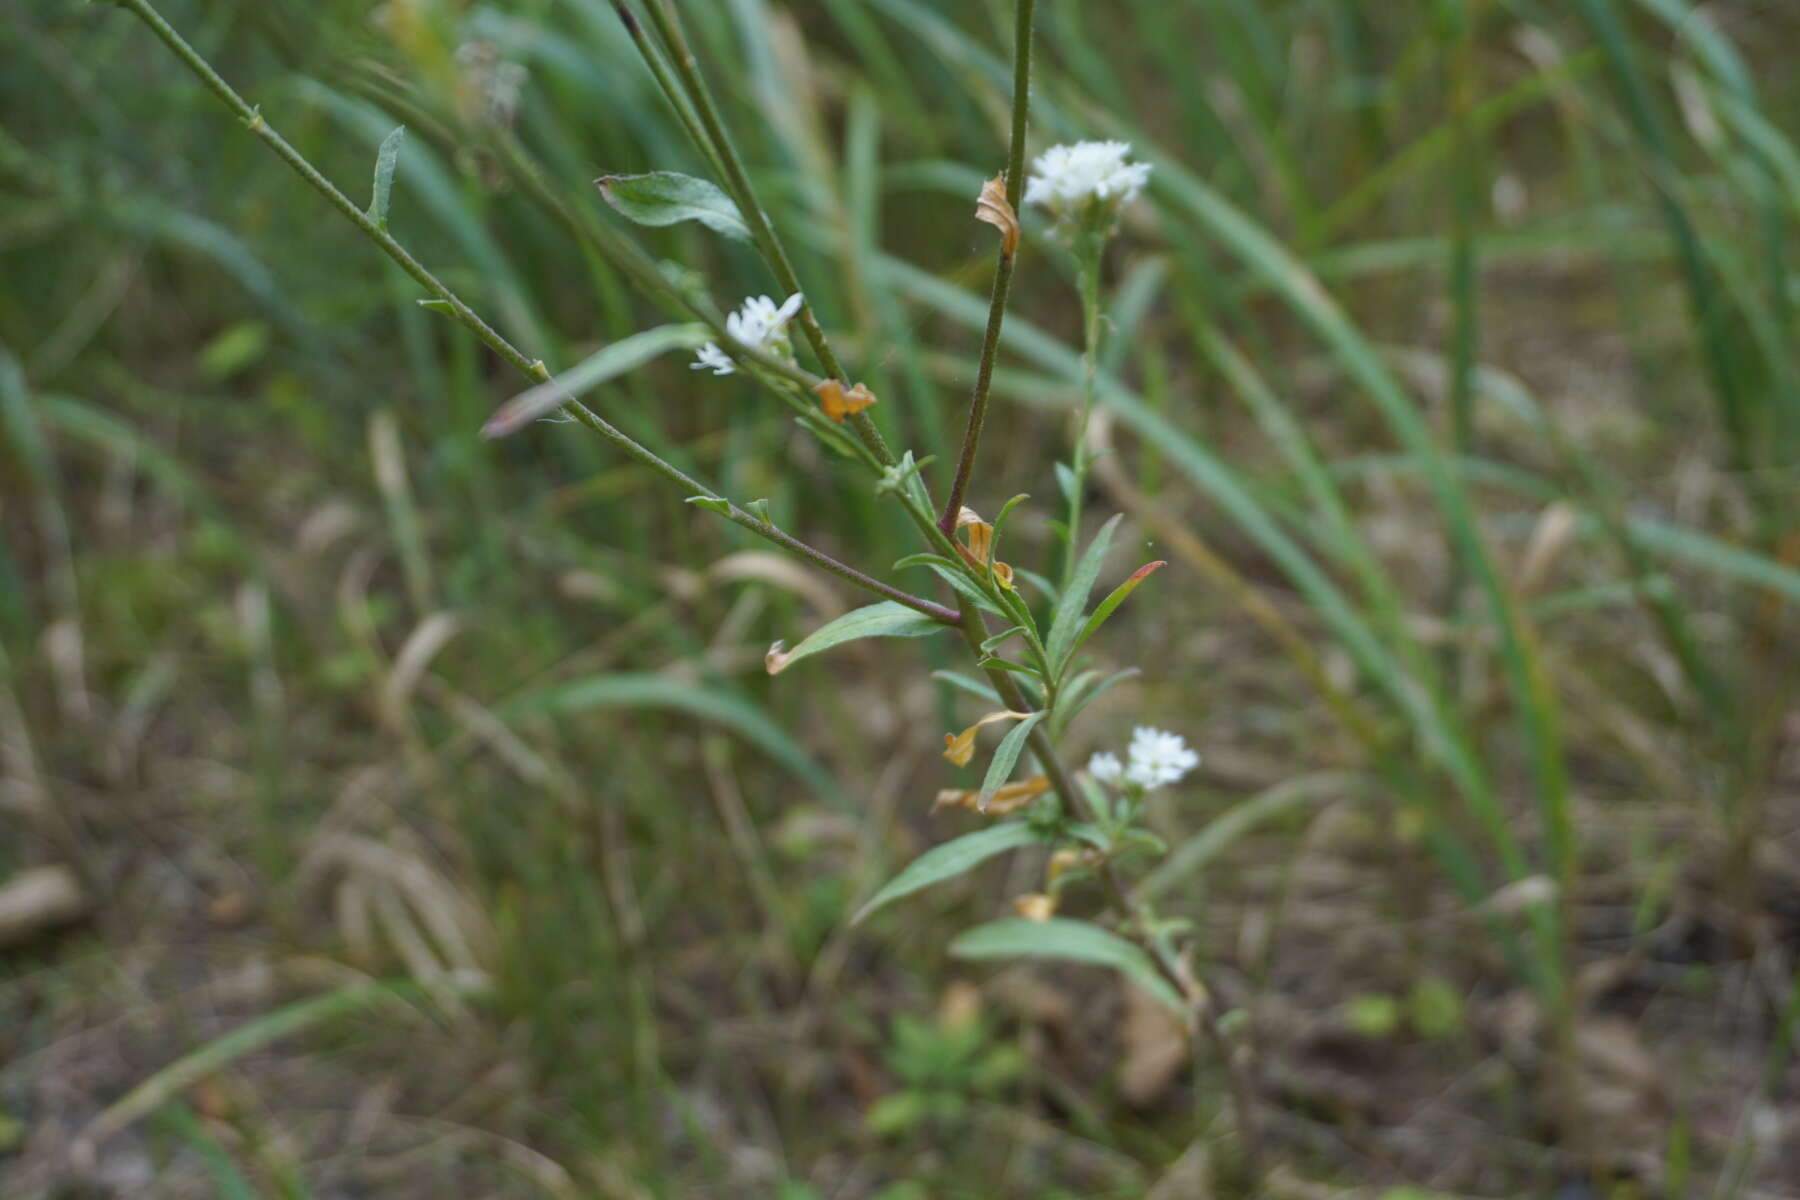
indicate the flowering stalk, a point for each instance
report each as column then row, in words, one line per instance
column 1089, row 181
column 719, row 147
column 1003, row 269
column 1089, row 252
column 1202, row 1015
column 533, row 369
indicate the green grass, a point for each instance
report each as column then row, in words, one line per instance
column 1347, row 382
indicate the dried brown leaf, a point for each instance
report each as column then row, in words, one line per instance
column 1009, row 798
column 993, row 208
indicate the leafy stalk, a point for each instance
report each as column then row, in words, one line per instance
column 533, row 369
column 719, row 147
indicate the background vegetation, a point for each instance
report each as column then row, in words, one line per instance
column 441, row 834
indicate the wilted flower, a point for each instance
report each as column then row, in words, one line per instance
column 758, row 324
column 1157, row 758
column 1035, row 906
column 1084, row 185
column 490, row 85
column 1106, row 767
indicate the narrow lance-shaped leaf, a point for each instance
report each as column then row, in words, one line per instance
column 1066, row 621
column 1076, row 941
column 1006, row 757
column 626, row 354
column 1115, row 598
column 887, row 619
column 669, row 197
column 386, row 159
column 951, row 859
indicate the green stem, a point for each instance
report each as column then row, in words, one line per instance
column 659, row 70
column 1089, row 251
column 1201, row 1011
column 253, row 119
column 1003, row 270
column 723, row 150
column 533, row 369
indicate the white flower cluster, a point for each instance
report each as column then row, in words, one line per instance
column 1154, row 759
column 760, row 325
column 1085, row 179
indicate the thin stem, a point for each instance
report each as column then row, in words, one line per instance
column 1003, row 270
column 628, row 257
column 659, row 69
column 1089, row 252
column 533, row 369
column 737, row 179
column 252, row 118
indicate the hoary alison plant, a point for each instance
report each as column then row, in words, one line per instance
column 1033, row 672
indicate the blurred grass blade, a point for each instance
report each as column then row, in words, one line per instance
column 713, row 704
column 184, row 1072
column 1192, row 856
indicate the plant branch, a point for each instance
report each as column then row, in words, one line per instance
column 724, row 151
column 1003, row 270
column 533, row 369
column 252, row 118
column 1090, row 252
column 1201, row 1013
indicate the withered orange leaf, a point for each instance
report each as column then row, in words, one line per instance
column 839, row 402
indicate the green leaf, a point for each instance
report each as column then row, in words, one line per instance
column 994, row 643
column 669, row 197
column 1373, row 1015
column 961, row 584
column 887, row 619
column 626, row 354
column 1434, row 1007
column 1006, row 756
column 896, row 1113
column 1065, row 623
column 386, row 159
column 951, row 859
column 239, row 347
column 1077, row 941
column 713, row 504
column 1113, row 600
column 993, row 663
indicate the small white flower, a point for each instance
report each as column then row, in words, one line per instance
column 759, row 324
column 1158, row 758
column 711, row 356
column 1105, row 767
column 1087, row 179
